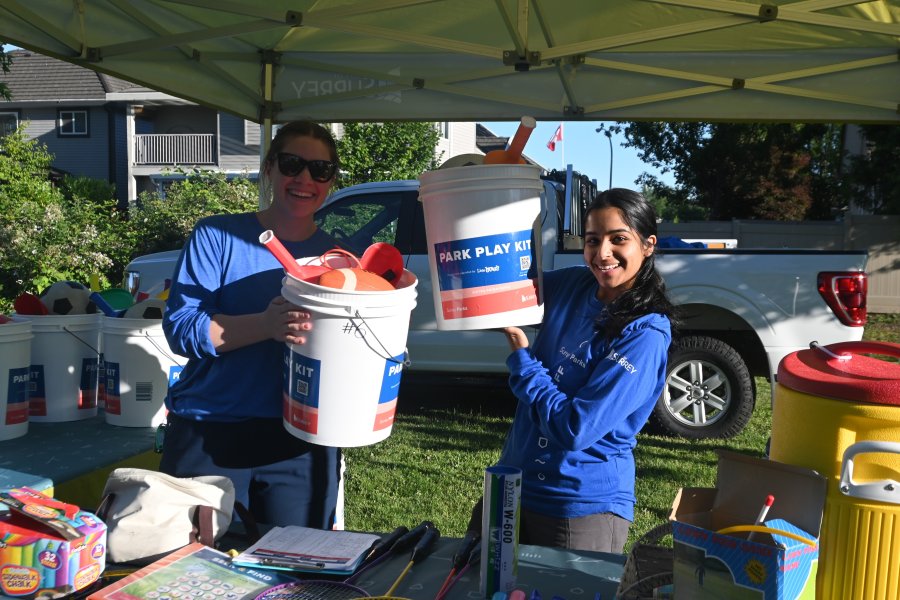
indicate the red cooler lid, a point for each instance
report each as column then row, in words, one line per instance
column 844, row 372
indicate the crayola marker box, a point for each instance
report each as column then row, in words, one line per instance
column 500, row 529
column 47, row 548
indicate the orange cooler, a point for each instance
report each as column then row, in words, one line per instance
column 837, row 411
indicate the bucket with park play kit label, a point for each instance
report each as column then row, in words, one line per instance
column 341, row 386
column 138, row 367
column 483, row 226
column 15, row 363
column 65, row 364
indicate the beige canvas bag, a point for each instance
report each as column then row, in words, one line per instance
column 150, row 514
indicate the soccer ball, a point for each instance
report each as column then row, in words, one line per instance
column 151, row 308
column 68, row 298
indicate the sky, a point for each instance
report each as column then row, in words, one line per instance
column 586, row 150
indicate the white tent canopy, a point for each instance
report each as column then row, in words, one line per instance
column 439, row 60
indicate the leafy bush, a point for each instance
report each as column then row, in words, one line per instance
column 76, row 230
column 164, row 223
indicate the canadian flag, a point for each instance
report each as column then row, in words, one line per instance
column 557, row 137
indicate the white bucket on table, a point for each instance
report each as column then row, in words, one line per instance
column 65, row 361
column 138, row 368
column 482, row 223
column 341, row 386
column 15, row 364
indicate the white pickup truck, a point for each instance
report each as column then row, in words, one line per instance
column 743, row 310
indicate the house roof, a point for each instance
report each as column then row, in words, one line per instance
column 34, row 77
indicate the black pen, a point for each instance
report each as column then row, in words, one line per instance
column 290, row 564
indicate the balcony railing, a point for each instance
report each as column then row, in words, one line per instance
column 175, row 149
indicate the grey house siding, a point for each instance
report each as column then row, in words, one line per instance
column 88, row 156
column 235, row 155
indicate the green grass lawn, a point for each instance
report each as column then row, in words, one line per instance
column 432, row 465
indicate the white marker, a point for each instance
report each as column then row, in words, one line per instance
column 760, row 520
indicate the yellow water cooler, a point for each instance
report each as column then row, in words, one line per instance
column 837, row 411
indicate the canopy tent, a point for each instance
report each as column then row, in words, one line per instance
column 438, row 60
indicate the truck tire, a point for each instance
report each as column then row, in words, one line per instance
column 708, row 393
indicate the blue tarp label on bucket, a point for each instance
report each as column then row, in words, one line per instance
column 175, row 374
column 87, row 397
column 37, row 395
column 109, row 388
column 487, row 275
column 301, row 390
column 17, row 396
column 390, row 391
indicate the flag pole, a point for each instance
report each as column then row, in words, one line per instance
column 562, row 144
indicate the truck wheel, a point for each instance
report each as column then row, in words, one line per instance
column 708, row 392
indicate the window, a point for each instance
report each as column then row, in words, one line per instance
column 359, row 221
column 9, row 122
column 72, row 123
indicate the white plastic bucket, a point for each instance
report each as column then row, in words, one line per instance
column 15, row 364
column 483, row 228
column 138, row 367
column 65, row 360
column 341, row 386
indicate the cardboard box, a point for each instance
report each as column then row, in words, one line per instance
column 49, row 548
column 713, row 562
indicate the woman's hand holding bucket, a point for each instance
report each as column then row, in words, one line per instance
column 516, row 338
column 286, row 322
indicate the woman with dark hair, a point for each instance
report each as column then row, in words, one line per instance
column 225, row 313
column 589, row 382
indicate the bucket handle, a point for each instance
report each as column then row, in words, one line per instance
column 387, row 355
column 72, row 333
column 860, row 347
column 886, row 490
column 162, row 350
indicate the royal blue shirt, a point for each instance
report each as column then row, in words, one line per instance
column 582, row 401
column 225, row 269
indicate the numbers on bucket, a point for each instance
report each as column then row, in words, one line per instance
column 356, row 330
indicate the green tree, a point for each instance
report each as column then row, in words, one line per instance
column 5, row 61
column 49, row 234
column 778, row 171
column 158, row 223
column 386, row 151
column 874, row 176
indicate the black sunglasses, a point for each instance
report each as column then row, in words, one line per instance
column 292, row 165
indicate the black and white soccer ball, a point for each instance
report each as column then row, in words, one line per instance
column 151, row 308
column 68, row 298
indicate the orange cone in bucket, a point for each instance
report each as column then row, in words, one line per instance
column 341, row 386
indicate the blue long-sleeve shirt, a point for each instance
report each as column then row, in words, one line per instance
column 225, row 269
column 582, row 402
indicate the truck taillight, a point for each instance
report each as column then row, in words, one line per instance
column 845, row 294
